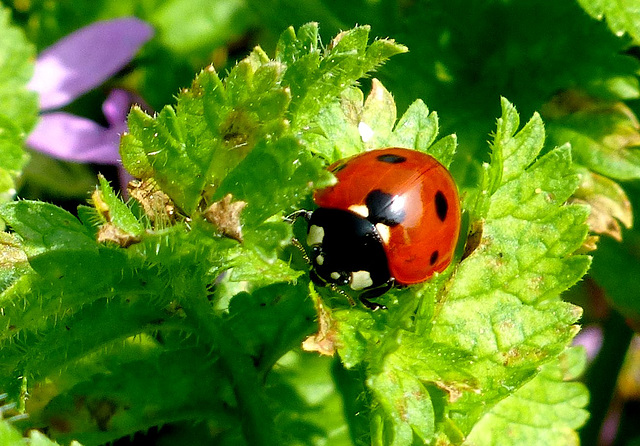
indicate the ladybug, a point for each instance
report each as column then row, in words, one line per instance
column 392, row 218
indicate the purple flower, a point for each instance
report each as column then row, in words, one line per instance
column 74, row 65
column 590, row 338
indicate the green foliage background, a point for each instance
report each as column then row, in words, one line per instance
column 196, row 331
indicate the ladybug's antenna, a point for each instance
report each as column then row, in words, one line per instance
column 302, row 213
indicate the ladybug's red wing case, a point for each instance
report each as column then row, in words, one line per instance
column 412, row 201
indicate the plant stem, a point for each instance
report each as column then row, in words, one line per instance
column 257, row 423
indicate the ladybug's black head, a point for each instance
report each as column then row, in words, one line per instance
column 346, row 250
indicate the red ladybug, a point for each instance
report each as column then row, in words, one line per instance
column 393, row 218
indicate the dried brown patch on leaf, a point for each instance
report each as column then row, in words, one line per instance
column 610, row 206
column 324, row 341
column 225, row 216
column 156, row 204
column 473, row 238
column 11, row 253
column 111, row 233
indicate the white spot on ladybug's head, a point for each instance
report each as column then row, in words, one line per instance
column 335, row 275
column 360, row 209
column 366, row 132
column 315, row 235
column 320, row 259
column 360, row 280
column 384, row 231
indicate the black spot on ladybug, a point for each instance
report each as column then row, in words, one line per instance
column 391, row 158
column 382, row 208
column 434, row 257
column 441, row 205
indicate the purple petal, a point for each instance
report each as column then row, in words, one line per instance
column 85, row 59
column 117, row 105
column 72, row 138
column 590, row 338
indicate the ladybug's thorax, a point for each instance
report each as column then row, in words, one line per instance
column 346, row 249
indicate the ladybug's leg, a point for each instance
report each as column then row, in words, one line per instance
column 317, row 280
column 372, row 305
column 302, row 213
column 373, row 293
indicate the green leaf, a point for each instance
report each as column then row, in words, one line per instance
column 354, row 125
column 545, row 411
column 517, row 150
column 604, row 134
column 555, row 185
column 378, row 117
column 133, row 154
column 311, row 408
column 414, row 415
column 44, row 227
column 292, row 47
column 119, row 213
column 348, row 58
column 249, row 265
column 622, row 16
column 264, row 320
column 338, row 135
column 18, row 106
column 443, row 149
column 36, row 438
column 17, row 56
column 10, row 435
column 52, row 345
column 178, row 168
column 291, row 171
column 417, row 128
column 523, row 263
column 14, row 158
column 125, row 386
